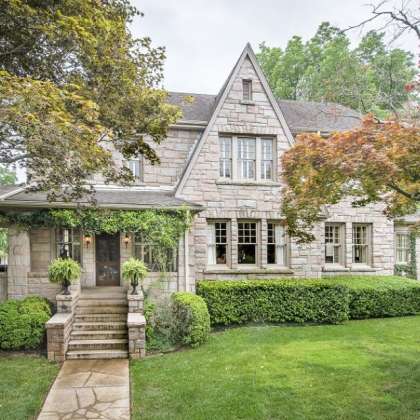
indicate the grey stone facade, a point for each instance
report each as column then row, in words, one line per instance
column 189, row 170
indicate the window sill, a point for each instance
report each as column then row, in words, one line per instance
column 363, row 268
column 246, row 102
column 248, row 182
column 256, row 270
column 334, row 268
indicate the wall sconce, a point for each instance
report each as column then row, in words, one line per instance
column 88, row 240
column 126, row 240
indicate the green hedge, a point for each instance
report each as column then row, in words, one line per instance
column 238, row 302
column 380, row 296
column 191, row 319
column 22, row 323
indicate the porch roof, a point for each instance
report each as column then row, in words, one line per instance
column 116, row 198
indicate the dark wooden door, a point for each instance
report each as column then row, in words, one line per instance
column 107, row 260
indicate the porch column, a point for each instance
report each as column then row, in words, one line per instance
column 19, row 262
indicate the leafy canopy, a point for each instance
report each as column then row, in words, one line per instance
column 378, row 162
column 369, row 78
column 76, row 84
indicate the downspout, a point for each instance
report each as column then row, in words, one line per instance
column 186, row 260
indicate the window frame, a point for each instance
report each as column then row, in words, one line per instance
column 247, row 91
column 284, row 246
column 368, row 244
column 223, row 159
column 72, row 243
column 236, row 168
column 213, row 222
column 138, row 178
column 407, row 249
column 341, row 244
column 143, row 245
column 257, row 243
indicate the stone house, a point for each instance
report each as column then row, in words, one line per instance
column 223, row 160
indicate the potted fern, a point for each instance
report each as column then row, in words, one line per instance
column 64, row 271
column 134, row 271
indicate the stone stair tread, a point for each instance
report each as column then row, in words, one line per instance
column 101, row 341
column 98, row 332
column 100, row 324
column 97, row 354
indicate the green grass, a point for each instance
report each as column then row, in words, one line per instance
column 24, row 383
column 360, row 370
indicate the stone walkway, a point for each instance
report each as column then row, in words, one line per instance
column 89, row 389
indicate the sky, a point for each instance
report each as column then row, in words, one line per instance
column 204, row 38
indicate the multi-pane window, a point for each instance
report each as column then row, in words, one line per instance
column 217, row 243
column 246, row 158
column 155, row 258
column 68, row 244
column 361, row 243
column 135, row 168
column 247, row 90
column 402, row 248
column 266, row 159
column 276, row 244
column 247, row 243
column 225, row 162
column 334, row 243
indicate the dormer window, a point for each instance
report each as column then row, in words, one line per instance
column 247, row 90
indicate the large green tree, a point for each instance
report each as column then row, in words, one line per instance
column 7, row 177
column 369, row 78
column 76, row 84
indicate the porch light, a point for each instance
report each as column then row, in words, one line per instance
column 126, row 240
column 88, row 240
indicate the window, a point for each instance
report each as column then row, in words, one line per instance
column 361, row 245
column 225, row 157
column 217, row 243
column 266, row 159
column 247, row 90
column 247, row 158
column 155, row 258
column 68, row 244
column 402, row 248
column 334, row 244
column 135, row 168
column 276, row 244
column 247, row 243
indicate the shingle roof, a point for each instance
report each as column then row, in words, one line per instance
column 112, row 198
column 300, row 115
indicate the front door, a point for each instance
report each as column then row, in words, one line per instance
column 107, row 259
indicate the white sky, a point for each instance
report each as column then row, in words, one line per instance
column 204, row 38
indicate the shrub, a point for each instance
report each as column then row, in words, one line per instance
column 158, row 325
column 238, row 302
column 22, row 323
column 191, row 319
column 377, row 296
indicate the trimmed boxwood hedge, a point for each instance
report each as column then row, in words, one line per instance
column 238, row 302
column 191, row 319
column 22, row 323
column 329, row 300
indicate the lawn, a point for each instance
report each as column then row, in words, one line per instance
column 360, row 370
column 24, row 383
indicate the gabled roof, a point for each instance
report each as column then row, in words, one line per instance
column 220, row 99
column 300, row 116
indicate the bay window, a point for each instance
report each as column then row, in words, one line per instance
column 276, row 244
column 247, row 243
column 246, row 158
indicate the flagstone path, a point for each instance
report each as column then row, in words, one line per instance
column 89, row 389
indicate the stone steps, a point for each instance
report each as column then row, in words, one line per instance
column 107, row 344
column 99, row 326
column 94, row 302
column 98, row 334
column 110, row 309
column 101, row 317
column 97, row 354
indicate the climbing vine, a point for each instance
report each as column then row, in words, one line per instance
column 159, row 228
column 410, row 269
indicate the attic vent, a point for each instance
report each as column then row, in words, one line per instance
column 247, row 90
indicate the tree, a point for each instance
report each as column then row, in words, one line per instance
column 378, row 162
column 369, row 78
column 76, row 84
